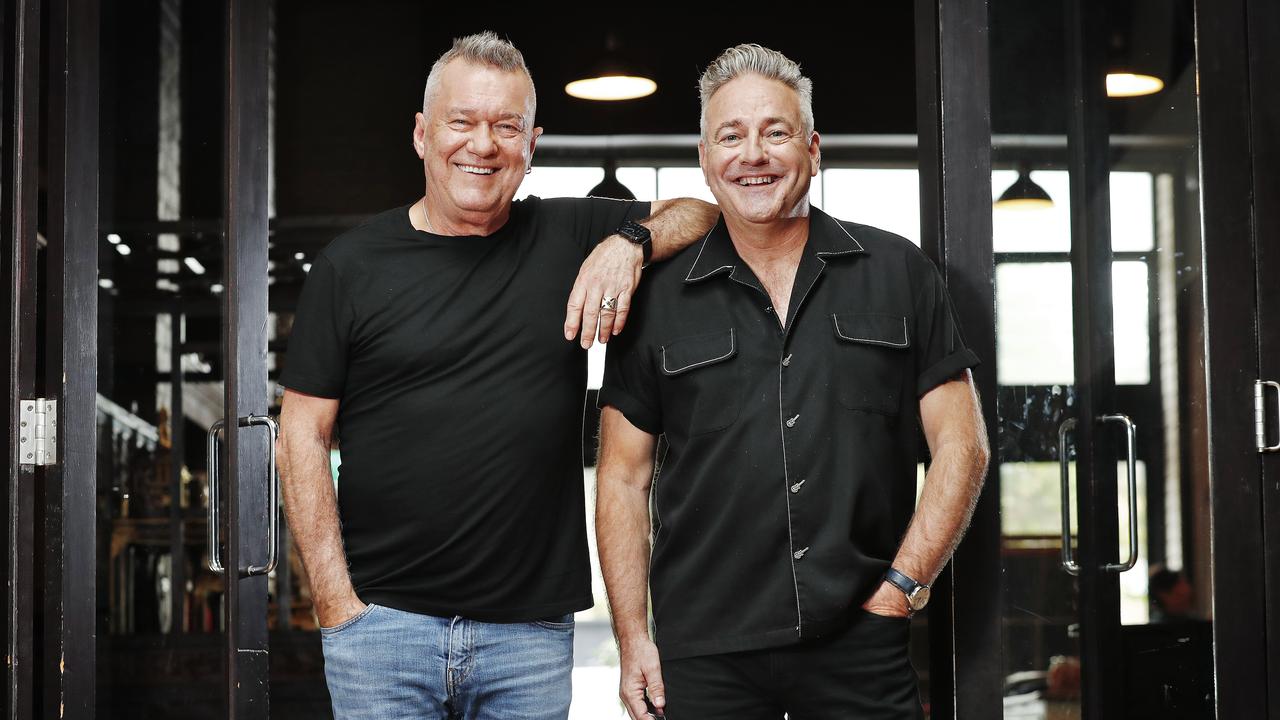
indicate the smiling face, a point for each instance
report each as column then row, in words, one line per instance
column 756, row 156
column 476, row 142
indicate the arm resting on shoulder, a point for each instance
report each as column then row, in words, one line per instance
column 677, row 224
column 613, row 268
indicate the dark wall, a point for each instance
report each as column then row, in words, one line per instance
column 348, row 83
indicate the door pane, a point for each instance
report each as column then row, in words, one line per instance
column 1048, row 229
column 1164, row 615
column 164, row 616
column 161, row 632
column 1033, row 323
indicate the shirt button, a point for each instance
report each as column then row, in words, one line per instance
column 786, row 361
column 769, row 309
column 796, row 488
column 799, row 553
column 791, row 422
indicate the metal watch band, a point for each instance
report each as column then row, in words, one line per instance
column 640, row 235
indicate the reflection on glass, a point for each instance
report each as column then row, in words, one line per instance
column 1039, row 230
column 1049, row 229
column 1132, row 211
column 1031, row 499
column 1033, row 324
column 1133, row 584
column 1130, row 297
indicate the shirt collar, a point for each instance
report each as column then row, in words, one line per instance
column 716, row 255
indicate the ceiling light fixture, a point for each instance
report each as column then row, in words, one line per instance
column 610, row 186
column 1127, row 84
column 612, row 78
column 611, row 87
column 1024, row 193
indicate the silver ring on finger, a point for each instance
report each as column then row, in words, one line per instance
column 609, row 304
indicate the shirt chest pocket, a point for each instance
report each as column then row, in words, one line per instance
column 702, row 382
column 873, row 351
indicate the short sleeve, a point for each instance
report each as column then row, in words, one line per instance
column 316, row 363
column 630, row 381
column 940, row 347
column 594, row 219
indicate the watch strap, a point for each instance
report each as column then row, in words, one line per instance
column 902, row 581
column 640, row 235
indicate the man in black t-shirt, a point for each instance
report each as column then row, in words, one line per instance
column 790, row 360
column 446, row 568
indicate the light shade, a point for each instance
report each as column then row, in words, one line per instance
column 1127, row 84
column 1024, row 193
column 611, row 87
column 610, row 186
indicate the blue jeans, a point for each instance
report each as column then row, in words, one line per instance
column 389, row 664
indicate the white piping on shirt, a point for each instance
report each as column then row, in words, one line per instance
column 905, row 342
column 689, row 276
column 733, row 345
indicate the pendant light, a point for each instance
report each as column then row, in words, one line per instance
column 1024, row 193
column 610, row 186
column 612, row 78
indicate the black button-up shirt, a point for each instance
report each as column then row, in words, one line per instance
column 790, row 475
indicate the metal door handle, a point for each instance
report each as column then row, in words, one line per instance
column 211, row 461
column 1131, row 444
column 273, row 519
column 1068, row 560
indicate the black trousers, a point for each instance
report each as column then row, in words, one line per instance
column 862, row 672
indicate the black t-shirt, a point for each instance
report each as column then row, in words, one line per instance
column 790, row 475
column 460, row 422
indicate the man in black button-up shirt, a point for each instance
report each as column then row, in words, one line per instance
column 790, row 360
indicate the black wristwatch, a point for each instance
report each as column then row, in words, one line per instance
column 917, row 593
column 640, row 235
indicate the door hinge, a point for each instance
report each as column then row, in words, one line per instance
column 1260, row 414
column 38, row 432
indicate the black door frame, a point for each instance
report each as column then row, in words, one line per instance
column 953, row 117
column 1263, row 22
column 245, row 346
column 1227, row 181
column 19, row 107
column 71, row 361
column 1238, row 123
column 951, row 50
column 1089, row 159
column 53, row 672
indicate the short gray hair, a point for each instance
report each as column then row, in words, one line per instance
column 484, row 48
column 752, row 59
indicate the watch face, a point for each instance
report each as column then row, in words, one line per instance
column 634, row 231
column 919, row 598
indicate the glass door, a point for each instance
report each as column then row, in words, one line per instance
column 1103, row 442
column 188, row 510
